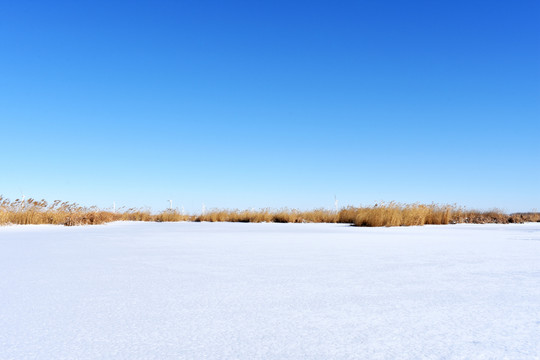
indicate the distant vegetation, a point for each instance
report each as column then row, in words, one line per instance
column 385, row 214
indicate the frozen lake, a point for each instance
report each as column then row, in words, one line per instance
column 269, row 291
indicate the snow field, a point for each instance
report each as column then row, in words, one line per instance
column 269, row 291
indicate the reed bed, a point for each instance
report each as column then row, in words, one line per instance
column 396, row 214
column 32, row 211
column 268, row 215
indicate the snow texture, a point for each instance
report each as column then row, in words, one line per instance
column 269, row 291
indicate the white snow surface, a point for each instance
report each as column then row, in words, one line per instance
column 269, row 291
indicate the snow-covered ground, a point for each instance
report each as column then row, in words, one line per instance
column 269, row 291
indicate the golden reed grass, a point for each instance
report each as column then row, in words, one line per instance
column 385, row 214
column 268, row 215
column 65, row 213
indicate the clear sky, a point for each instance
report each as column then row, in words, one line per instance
column 244, row 104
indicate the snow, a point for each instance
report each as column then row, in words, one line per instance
column 269, row 291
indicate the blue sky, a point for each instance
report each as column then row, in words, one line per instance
column 269, row 104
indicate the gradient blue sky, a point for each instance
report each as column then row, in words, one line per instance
column 246, row 104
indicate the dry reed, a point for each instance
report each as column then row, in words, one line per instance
column 268, row 215
column 385, row 214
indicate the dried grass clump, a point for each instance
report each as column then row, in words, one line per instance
column 32, row 211
column 520, row 218
column 494, row 216
column 347, row 215
column 396, row 214
column 393, row 214
column 169, row 216
column 267, row 215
